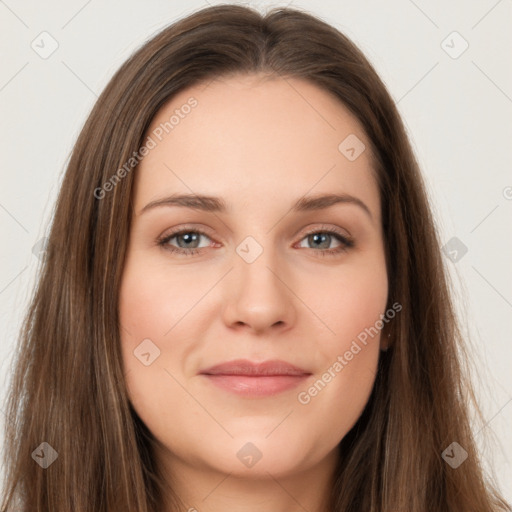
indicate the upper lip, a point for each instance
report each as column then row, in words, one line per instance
column 251, row 368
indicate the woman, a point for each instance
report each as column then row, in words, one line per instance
column 243, row 302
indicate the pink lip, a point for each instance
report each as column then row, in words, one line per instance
column 251, row 379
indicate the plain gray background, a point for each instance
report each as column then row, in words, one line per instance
column 456, row 103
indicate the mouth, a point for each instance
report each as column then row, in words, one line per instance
column 251, row 379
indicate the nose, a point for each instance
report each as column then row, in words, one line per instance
column 258, row 296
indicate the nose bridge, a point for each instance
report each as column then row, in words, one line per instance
column 257, row 269
column 257, row 294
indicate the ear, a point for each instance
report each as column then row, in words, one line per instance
column 385, row 341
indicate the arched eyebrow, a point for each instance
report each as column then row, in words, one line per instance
column 218, row 205
column 323, row 201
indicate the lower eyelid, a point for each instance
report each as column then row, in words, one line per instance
column 345, row 241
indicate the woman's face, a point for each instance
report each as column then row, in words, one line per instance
column 265, row 274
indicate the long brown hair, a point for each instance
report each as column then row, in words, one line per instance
column 68, row 387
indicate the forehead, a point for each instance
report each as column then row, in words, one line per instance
column 253, row 135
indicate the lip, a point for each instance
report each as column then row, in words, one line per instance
column 253, row 379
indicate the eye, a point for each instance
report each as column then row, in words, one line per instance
column 187, row 241
column 322, row 240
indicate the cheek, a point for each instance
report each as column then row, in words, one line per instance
column 352, row 306
column 149, row 307
column 153, row 300
column 143, row 307
column 349, row 303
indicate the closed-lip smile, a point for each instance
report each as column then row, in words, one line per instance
column 255, row 379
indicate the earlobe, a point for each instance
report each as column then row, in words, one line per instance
column 385, row 342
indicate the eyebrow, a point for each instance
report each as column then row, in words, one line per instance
column 218, row 205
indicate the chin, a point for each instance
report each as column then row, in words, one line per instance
column 257, row 456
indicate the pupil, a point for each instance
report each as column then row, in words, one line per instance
column 189, row 237
column 323, row 236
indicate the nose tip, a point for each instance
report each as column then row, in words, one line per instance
column 257, row 298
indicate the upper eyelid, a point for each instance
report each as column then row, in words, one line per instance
column 206, row 231
column 187, row 229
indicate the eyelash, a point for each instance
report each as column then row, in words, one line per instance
column 346, row 242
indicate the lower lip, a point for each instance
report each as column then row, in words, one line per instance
column 257, row 386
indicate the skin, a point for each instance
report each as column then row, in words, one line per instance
column 259, row 144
